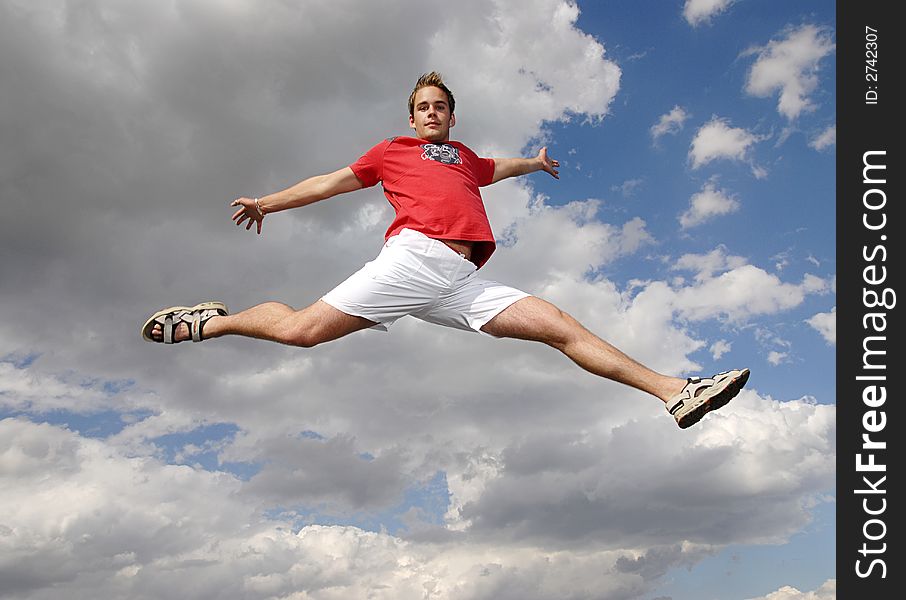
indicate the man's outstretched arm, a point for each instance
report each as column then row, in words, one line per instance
column 307, row 191
column 513, row 167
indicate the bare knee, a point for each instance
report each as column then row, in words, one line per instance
column 302, row 340
column 564, row 330
column 319, row 323
column 303, row 335
column 537, row 320
column 298, row 328
column 561, row 328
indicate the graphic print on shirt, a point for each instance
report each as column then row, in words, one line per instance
column 442, row 153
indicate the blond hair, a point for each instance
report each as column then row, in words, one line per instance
column 432, row 79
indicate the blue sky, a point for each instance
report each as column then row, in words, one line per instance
column 692, row 226
column 785, row 220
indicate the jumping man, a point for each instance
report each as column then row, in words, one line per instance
column 428, row 266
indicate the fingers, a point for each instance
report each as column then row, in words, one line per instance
column 242, row 214
column 239, row 213
column 550, row 163
column 246, row 214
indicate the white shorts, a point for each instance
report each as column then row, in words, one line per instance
column 423, row 277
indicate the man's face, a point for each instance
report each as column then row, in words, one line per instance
column 431, row 118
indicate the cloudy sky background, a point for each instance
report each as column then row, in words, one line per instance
column 693, row 226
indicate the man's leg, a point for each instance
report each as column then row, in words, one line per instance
column 537, row 320
column 278, row 322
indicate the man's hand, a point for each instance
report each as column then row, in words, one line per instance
column 248, row 211
column 548, row 164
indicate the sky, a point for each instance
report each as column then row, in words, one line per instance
column 692, row 226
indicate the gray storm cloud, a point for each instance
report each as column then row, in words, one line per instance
column 129, row 127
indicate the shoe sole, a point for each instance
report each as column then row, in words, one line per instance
column 716, row 401
column 149, row 324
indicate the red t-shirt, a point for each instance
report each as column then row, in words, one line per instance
column 433, row 188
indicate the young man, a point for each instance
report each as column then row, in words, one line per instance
column 427, row 267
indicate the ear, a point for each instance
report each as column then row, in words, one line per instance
column 411, row 122
column 452, row 120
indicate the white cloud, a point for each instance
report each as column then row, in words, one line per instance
column 31, row 384
column 75, row 510
column 628, row 187
column 719, row 348
column 157, row 131
column 698, row 12
column 826, row 325
column 716, row 139
column 739, row 292
column 518, row 54
column 706, row 265
column 669, row 123
column 589, row 243
column 790, row 66
column 781, row 260
column 776, row 357
column 825, row 139
column 707, row 204
column 827, row 591
column 78, row 513
column 28, row 389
